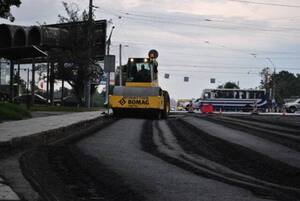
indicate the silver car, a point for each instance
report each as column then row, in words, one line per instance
column 293, row 106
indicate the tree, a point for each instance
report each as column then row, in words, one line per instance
column 5, row 8
column 75, row 64
column 229, row 85
column 286, row 84
column 265, row 78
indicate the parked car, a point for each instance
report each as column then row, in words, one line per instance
column 38, row 99
column 292, row 106
column 197, row 104
column 68, row 101
column 182, row 104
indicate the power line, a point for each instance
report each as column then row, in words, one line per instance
column 228, row 67
column 218, row 47
column 191, row 73
column 150, row 18
column 236, row 28
column 266, row 4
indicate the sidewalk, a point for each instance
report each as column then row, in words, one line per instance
column 6, row 193
column 28, row 132
column 23, row 128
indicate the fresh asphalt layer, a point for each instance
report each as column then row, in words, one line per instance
column 187, row 157
column 119, row 148
column 273, row 150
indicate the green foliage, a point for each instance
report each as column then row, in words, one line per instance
column 229, row 85
column 286, row 84
column 10, row 111
column 5, row 8
column 75, row 63
column 265, row 78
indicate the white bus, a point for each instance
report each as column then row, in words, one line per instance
column 233, row 99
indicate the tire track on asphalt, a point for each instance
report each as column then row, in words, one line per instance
column 282, row 121
column 169, row 149
column 260, row 145
column 292, row 133
column 119, row 148
column 275, row 135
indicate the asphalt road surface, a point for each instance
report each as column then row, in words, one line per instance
column 191, row 157
column 201, row 158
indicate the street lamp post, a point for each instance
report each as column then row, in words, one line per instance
column 273, row 80
column 108, row 42
column 90, row 41
column 120, row 63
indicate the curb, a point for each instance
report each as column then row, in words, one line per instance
column 54, row 136
column 32, row 163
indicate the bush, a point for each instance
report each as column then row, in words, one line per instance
column 10, row 111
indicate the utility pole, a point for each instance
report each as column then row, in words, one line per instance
column 48, row 79
column 11, row 83
column 32, row 82
column 108, row 42
column 0, row 71
column 90, row 45
column 91, row 11
column 27, row 90
column 19, row 78
column 273, row 81
column 120, row 63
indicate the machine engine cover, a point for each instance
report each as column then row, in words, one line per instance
column 137, row 91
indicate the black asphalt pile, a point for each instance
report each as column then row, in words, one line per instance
column 63, row 173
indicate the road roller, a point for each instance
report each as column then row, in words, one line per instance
column 138, row 92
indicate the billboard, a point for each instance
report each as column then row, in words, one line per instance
column 50, row 36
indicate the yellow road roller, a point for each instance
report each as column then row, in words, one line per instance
column 138, row 92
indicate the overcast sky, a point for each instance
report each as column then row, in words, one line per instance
column 224, row 39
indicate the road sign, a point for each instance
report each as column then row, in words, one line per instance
column 109, row 63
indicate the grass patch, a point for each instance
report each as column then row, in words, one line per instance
column 10, row 111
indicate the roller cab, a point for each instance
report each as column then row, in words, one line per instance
column 140, row 93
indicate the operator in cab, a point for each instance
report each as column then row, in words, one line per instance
column 143, row 75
